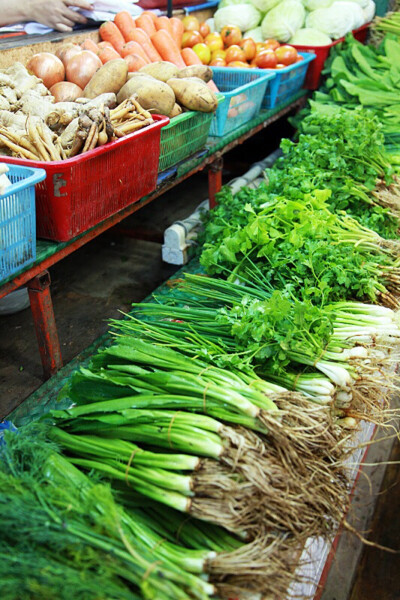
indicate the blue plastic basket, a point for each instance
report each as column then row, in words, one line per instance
column 18, row 220
column 244, row 90
column 288, row 81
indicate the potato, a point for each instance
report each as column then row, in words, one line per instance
column 177, row 110
column 108, row 79
column 150, row 94
column 138, row 74
column 201, row 71
column 161, row 70
column 193, row 94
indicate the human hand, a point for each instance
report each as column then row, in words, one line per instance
column 56, row 13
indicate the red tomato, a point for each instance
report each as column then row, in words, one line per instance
column 274, row 44
column 261, row 46
column 235, row 53
column 231, row 35
column 299, row 58
column 280, row 66
column 218, row 54
column 266, row 59
column 190, row 23
column 218, row 62
column 191, row 38
column 204, row 29
column 249, row 47
column 287, row 55
column 239, row 64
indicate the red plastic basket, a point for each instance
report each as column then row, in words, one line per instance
column 80, row 192
column 322, row 53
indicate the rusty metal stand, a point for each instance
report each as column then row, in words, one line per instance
column 45, row 323
column 214, row 180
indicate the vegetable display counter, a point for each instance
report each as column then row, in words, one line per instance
column 37, row 278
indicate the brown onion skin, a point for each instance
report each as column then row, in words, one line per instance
column 66, row 91
column 47, row 67
column 67, row 51
column 81, row 68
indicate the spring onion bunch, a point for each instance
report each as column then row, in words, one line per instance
column 301, row 247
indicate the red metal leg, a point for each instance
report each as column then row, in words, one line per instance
column 45, row 324
column 214, row 180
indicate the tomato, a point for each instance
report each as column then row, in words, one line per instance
column 231, row 35
column 204, row 29
column 274, row 44
column 249, row 47
column 218, row 62
column 239, row 64
column 214, row 41
column 280, row 66
column 235, row 53
column 191, row 23
column 218, row 54
column 287, row 55
column 203, row 52
column 299, row 58
column 261, row 46
column 266, row 60
column 190, row 38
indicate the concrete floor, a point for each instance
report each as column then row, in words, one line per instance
column 105, row 276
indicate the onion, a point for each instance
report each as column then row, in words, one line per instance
column 67, row 51
column 65, row 91
column 81, row 67
column 47, row 67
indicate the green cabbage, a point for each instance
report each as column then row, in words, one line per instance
column 232, row 2
column 244, row 16
column 310, row 37
column 255, row 34
column 369, row 11
column 314, row 4
column 265, row 5
column 361, row 3
column 337, row 20
column 282, row 22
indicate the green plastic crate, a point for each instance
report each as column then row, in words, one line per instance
column 184, row 135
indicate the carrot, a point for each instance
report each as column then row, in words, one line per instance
column 134, row 62
column 105, row 45
column 106, row 53
column 150, row 14
column 89, row 44
column 177, row 30
column 125, row 23
column 166, row 47
column 143, row 39
column 163, row 23
column 109, row 32
column 190, row 57
column 135, row 48
column 146, row 24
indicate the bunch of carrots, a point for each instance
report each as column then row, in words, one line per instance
column 142, row 41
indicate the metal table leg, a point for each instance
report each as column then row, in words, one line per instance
column 45, row 324
column 214, row 180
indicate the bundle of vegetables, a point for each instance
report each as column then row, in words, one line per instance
column 344, row 151
column 330, row 354
column 243, row 475
column 298, row 245
column 390, row 23
column 58, row 527
column 368, row 76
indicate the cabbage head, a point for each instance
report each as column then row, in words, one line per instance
column 310, row 37
column 255, row 34
column 314, row 4
column 369, row 11
column 265, row 5
column 244, row 16
column 282, row 22
column 232, row 2
column 361, row 3
column 337, row 20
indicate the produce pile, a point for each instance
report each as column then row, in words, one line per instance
column 195, row 454
column 309, row 22
column 389, row 24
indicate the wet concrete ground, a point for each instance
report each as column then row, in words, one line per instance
column 108, row 274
